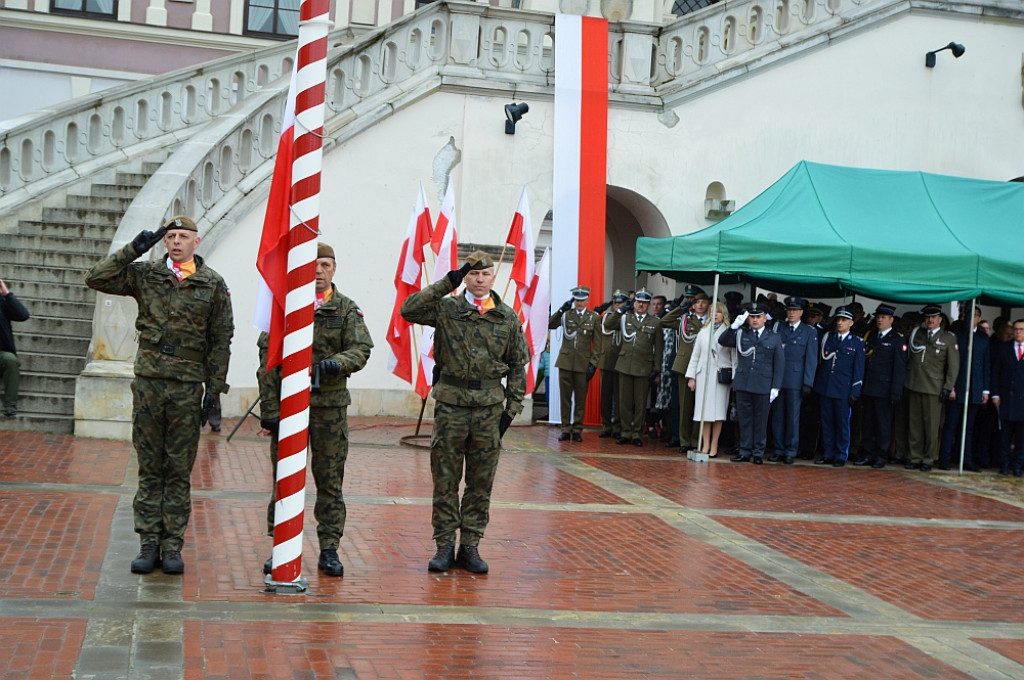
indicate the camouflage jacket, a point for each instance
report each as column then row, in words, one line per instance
column 184, row 327
column 339, row 333
column 470, row 347
column 579, row 339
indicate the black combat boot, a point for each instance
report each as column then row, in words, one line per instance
column 173, row 564
column 443, row 559
column 329, row 563
column 268, row 566
column 147, row 560
column 470, row 560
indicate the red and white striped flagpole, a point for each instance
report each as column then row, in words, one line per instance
column 293, row 443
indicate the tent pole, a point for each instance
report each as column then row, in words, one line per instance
column 707, row 369
column 967, row 382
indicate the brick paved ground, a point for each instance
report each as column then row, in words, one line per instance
column 606, row 562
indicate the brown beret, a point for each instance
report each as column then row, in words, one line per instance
column 478, row 259
column 181, row 222
column 324, row 250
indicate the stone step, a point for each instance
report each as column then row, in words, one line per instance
column 75, row 328
column 132, row 179
column 57, row 346
column 46, row 404
column 58, row 364
column 104, row 232
column 48, row 383
column 82, row 215
column 55, row 244
column 42, row 258
column 101, row 190
column 150, row 167
column 118, row 203
column 37, row 290
column 53, row 275
column 61, row 309
column 37, row 422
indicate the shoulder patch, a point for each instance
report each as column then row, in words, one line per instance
column 359, row 312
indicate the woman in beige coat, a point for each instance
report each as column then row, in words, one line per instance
column 711, row 398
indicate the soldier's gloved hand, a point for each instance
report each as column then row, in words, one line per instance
column 591, row 370
column 805, row 391
column 506, row 420
column 627, row 306
column 565, row 306
column 330, row 367
column 147, row 239
column 603, row 306
column 773, row 395
column 676, row 300
column 270, row 424
column 210, row 403
column 853, row 401
column 456, row 275
column 944, row 395
column 435, row 374
column 739, row 320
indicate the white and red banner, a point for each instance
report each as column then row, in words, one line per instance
column 580, row 164
column 538, row 300
column 445, row 244
column 408, row 280
column 520, row 235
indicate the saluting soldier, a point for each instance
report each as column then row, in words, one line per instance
column 932, row 370
column 639, row 354
column 608, row 343
column 761, row 363
column 478, row 342
column 800, row 343
column 185, row 326
column 577, row 360
column 885, row 369
column 838, row 383
column 686, row 318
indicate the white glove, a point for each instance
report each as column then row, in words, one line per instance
column 739, row 320
column 771, row 395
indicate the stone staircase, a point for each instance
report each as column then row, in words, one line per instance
column 44, row 261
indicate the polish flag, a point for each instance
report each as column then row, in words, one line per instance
column 444, row 243
column 536, row 329
column 520, row 235
column 407, row 282
column 272, row 258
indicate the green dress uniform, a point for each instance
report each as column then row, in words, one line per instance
column 474, row 352
column 686, row 324
column 932, row 366
column 575, row 358
column 639, row 354
column 185, row 330
column 339, row 334
column 608, row 342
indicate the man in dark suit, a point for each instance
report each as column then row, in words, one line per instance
column 980, row 382
column 10, row 368
column 757, row 380
column 800, row 344
column 1008, row 396
column 838, row 383
column 884, row 372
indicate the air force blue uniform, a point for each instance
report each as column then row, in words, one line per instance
column 760, row 370
column 838, row 382
column 800, row 346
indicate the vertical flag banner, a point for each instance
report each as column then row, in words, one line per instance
column 580, row 166
column 408, row 281
column 520, row 235
column 445, row 245
column 537, row 323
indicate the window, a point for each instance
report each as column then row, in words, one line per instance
column 682, row 7
column 278, row 18
column 101, row 9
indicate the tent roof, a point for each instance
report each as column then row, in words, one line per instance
column 898, row 236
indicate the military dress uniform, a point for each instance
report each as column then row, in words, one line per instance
column 475, row 349
column 608, row 344
column 185, row 327
column 838, row 384
column 884, row 372
column 981, row 381
column 932, row 369
column 640, row 353
column 800, row 344
column 686, row 325
column 576, row 362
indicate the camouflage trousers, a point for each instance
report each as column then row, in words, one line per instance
column 165, row 434
column 467, row 437
column 328, row 446
column 10, row 372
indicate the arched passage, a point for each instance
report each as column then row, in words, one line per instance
column 629, row 216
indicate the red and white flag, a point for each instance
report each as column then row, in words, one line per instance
column 272, row 258
column 520, row 235
column 408, row 277
column 536, row 328
column 444, row 243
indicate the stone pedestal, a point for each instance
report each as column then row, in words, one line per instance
column 103, row 400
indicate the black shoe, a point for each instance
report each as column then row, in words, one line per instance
column 564, row 437
column 739, row 458
column 910, row 466
column 623, row 440
column 470, row 560
column 943, row 465
column 823, row 461
column 330, row 564
column 878, row 464
column 172, row 562
column 788, row 460
column 684, row 448
column 862, row 461
column 443, row 559
column 1018, row 472
column 11, row 411
column 1005, row 470
column 577, row 437
column 672, row 443
column 757, row 460
column 839, row 463
column 924, row 467
column 638, row 442
column 775, row 457
column 147, row 560
column 268, row 566
column 971, row 467
column 604, row 434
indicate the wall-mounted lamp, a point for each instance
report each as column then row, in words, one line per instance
column 513, row 113
column 956, row 48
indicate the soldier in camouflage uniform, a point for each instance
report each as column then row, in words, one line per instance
column 577, row 360
column 641, row 350
column 688, row 316
column 478, row 340
column 932, row 369
column 608, row 342
column 341, row 346
column 185, row 327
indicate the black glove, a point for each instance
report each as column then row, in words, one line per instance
column 565, row 306
column 506, row 420
column 603, row 306
column 944, row 395
column 435, row 374
column 677, row 300
column 209, row 403
column 628, row 307
column 805, row 391
column 147, row 239
column 330, row 367
column 591, row 370
column 853, row 401
column 456, row 275
column 270, row 424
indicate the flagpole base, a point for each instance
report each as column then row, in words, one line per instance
column 284, row 587
column 420, row 440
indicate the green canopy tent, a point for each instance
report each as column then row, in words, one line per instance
column 826, row 230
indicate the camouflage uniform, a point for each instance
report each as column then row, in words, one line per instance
column 185, row 330
column 474, row 352
column 574, row 358
column 339, row 333
column 608, row 343
column 641, row 350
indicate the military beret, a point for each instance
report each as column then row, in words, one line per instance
column 844, row 312
column 620, row 295
column 324, row 250
column 795, row 303
column 478, row 259
column 643, row 295
column 692, row 291
column 580, row 293
column 886, row 309
column 757, row 309
column 931, row 310
column 181, row 222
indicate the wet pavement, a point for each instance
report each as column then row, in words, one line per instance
column 606, row 562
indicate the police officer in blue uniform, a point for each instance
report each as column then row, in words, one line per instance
column 838, row 385
column 800, row 343
column 757, row 379
column 884, row 372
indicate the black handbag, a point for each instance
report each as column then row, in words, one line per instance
column 725, row 376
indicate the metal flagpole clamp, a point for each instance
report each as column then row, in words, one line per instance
column 284, row 587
